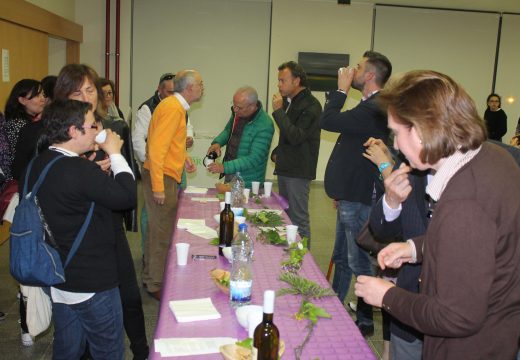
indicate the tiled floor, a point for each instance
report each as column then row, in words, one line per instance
column 323, row 218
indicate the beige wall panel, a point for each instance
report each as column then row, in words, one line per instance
column 63, row 8
column 317, row 26
column 508, row 76
column 460, row 44
column 57, row 55
column 28, row 55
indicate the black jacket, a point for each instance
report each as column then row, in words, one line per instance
column 496, row 124
column 412, row 222
column 123, row 130
column 299, row 141
column 65, row 197
column 350, row 176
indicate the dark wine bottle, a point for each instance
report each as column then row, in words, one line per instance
column 227, row 219
column 267, row 337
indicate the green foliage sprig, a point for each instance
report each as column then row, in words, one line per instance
column 297, row 251
column 308, row 290
column 300, row 286
column 271, row 237
column 214, row 241
column 264, row 218
column 312, row 312
column 246, row 343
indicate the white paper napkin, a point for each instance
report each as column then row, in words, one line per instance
column 191, row 346
column 185, row 223
column 202, row 231
column 194, row 310
column 195, row 190
column 205, row 199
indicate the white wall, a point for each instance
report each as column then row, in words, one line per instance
column 317, row 26
column 57, row 55
column 226, row 40
column 63, row 8
column 435, row 39
column 296, row 25
column 508, row 76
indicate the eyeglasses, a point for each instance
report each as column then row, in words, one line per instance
column 108, row 93
column 93, row 126
column 238, row 108
column 167, row 76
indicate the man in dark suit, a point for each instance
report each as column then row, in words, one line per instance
column 403, row 212
column 351, row 179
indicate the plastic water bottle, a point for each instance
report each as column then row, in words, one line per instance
column 241, row 278
column 237, row 191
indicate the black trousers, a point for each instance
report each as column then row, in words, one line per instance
column 133, row 316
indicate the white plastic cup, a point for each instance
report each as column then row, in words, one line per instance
column 253, row 319
column 246, row 195
column 268, row 186
column 237, row 211
column 222, row 205
column 290, row 233
column 255, row 187
column 182, row 253
column 101, row 137
column 240, row 219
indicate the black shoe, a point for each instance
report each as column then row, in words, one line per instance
column 2, row 316
column 366, row 330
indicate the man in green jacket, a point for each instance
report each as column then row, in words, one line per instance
column 247, row 137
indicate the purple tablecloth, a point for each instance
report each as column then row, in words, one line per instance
column 335, row 338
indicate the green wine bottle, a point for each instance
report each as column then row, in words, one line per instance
column 267, row 337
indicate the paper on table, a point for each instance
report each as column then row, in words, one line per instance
column 203, row 231
column 194, row 310
column 195, row 190
column 205, row 199
column 185, row 223
column 254, row 211
column 279, row 229
column 191, row 346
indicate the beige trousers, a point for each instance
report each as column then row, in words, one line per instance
column 161, row 222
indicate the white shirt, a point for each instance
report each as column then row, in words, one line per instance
column 140, row 133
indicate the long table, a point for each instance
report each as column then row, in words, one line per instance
column 335, row 338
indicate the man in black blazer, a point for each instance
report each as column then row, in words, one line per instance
column 351, row 179
column 403, row 212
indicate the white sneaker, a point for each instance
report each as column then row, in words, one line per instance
column 27, row 339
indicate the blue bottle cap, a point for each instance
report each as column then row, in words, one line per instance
column 242, row 226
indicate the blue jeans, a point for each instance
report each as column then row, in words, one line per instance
column 296, row 191
column 99, row 320
column 402, row 349
column 348, row 257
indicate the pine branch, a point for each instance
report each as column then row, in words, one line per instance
column 301, row 286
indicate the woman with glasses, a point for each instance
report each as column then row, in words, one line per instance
column 79, row 82
column 108, row 91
